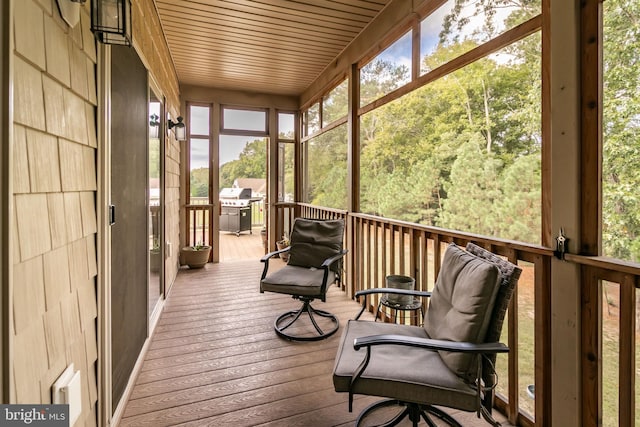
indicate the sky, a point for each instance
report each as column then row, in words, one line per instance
column 399, row 52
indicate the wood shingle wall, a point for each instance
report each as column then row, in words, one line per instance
column 54, row 173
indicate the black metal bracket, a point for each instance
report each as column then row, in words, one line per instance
column 562, row 245
column 112, row 214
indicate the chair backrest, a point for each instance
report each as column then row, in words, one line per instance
column 314, row 240
column 461, row 305
column 510, row 273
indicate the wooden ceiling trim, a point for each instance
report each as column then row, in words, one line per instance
column 258, row 28
column 292, row 68
column 217, row 15
column 268, row 46
column 324, row 7
column 253, row 70
column 248, row 52
column 266, row 86
column 282, row 74
column 204, row 36
column 257, row 68
column 307, row 11
column 240, row 81
column 240, row 34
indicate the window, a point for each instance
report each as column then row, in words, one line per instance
column 311, row 120
column 286, row 157
column 335, row 104
column 327, row 168
column 199, row 158
column 286, row 126
column 621, row 133
column 244, row 120
column 387, row 71
column 199, row 120
column 620, row 183
column 462, row 152
column 457, row 27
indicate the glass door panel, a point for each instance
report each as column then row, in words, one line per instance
column 155, row 238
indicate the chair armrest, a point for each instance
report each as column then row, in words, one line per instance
column 431, row 344
column 267, row 257
column 327, row 262
column 367, row 292
column 274, row 253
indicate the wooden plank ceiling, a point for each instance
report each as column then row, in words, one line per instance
column 268, row 46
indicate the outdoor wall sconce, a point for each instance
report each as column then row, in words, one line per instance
column 179, row 129
column 70, row 11
column 111, row 21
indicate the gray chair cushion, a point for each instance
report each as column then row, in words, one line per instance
column 313, row 241
column 406, row 373
column 461, row 305
column 510, row 274
column 292, row 280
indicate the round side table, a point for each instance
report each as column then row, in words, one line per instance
column 414, row 306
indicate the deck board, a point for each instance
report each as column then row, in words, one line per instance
column 214, row 359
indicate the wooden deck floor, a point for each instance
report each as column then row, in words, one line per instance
column 215, row 360
column 245, row 246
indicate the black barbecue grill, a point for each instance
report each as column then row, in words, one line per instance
column 235, row 210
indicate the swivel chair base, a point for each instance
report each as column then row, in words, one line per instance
column 282, row 322
column 413, row 410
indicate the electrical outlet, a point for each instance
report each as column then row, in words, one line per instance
column 68, row 389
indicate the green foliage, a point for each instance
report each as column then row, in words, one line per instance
column 621, row 128
column 199, row 182
column 380, row 77
column 154, row 158
column 252, row 163
column 465, row 12
column 336, row 103
column 327, row 169
column 473, row 189
column 449, row 154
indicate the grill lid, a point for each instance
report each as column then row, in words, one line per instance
column 235, row 193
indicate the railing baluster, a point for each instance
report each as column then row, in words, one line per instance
column 627, row 371
column 194, row 225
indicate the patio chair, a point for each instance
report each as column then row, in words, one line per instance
column 315, row 262
column 450, row 361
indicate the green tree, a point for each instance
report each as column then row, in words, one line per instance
column 621, row 128
column 327, row 168
column 380, row 77
column 199, row 182
column 251, row 163
column 410, row 146
column 464, row 14
column 518, row 210
column 473, row 189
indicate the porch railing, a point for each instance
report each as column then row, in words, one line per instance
column 257, row 209
column 379, row 247
column 198, row 224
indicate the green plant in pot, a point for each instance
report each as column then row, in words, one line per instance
column 155, row 257
column 195, row 256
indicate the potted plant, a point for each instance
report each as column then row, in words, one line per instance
column 195, row 256
column 263, row 235
column 155, row 257
column 281, row 244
